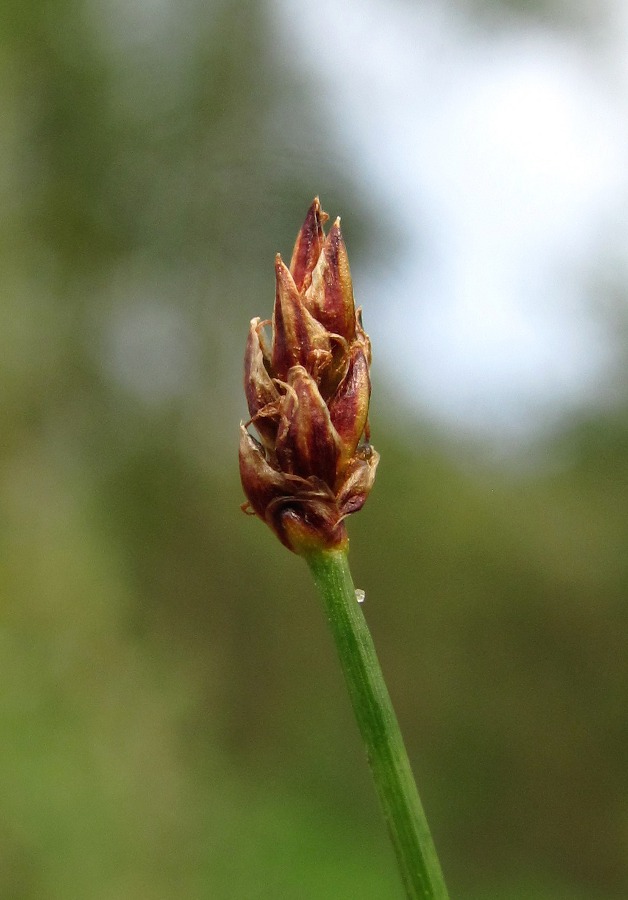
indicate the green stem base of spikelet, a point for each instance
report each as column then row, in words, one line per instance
column 409, row 831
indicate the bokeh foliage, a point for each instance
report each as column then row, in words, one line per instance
column 172, row 720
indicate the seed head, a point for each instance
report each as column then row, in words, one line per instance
column 308, row 390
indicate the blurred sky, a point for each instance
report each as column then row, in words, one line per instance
column 499, row 152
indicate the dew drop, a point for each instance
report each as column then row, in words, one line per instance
column 359, row 595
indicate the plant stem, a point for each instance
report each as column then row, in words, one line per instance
column 409, row 831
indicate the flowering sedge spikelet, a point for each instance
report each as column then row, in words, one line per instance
column 308, row 392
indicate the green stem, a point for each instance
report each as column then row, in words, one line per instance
column 416, row 855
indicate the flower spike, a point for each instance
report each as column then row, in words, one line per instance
column 308, row 397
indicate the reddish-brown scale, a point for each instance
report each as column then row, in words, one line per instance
column 308, row 245
column 285, row 351
column 358, row 481
column 330, row 295
column 262, row 484
column 307, row 443
column 303, row 532
column 259, row 389
column 349, row 407
column 296, row 332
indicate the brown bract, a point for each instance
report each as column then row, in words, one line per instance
column 308, row 392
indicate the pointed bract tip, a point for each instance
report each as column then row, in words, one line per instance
column 283, row 276
column 307, row 247
column 315, row 207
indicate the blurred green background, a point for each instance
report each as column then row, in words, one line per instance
column 172, row 717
